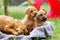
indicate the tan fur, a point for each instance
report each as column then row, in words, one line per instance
column 10, row 25
column 28, row 21
column 38, row 22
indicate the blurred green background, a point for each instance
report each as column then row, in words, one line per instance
column 18, row 13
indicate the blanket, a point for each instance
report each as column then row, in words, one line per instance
column 43, row 31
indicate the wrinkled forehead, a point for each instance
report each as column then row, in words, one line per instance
column 42, row 12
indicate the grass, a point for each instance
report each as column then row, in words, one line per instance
column 56, row 33
column 18, row 12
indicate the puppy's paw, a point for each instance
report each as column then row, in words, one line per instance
column 15, row 33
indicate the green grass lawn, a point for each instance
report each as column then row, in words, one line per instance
column 18, row 12
column 56, row 33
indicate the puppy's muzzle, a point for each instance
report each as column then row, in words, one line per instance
column 44, row 19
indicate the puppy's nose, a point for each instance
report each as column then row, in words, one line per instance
column 44, row 19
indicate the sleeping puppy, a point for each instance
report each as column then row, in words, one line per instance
column 29, row 21
column 40, row 18
column 10, row 25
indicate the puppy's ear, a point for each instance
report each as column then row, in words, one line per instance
column 44, row 10
column 26, row 11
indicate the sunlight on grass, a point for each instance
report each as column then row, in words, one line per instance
column 17, row 12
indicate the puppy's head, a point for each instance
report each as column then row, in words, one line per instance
column 41, row 15
column 31, row 11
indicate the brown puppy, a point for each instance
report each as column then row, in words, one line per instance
column 29, row 18
column 40, row 18
column 10, row 25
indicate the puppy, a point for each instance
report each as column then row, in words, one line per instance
column 40, row 18
column 29, row 18
column 10, row 25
